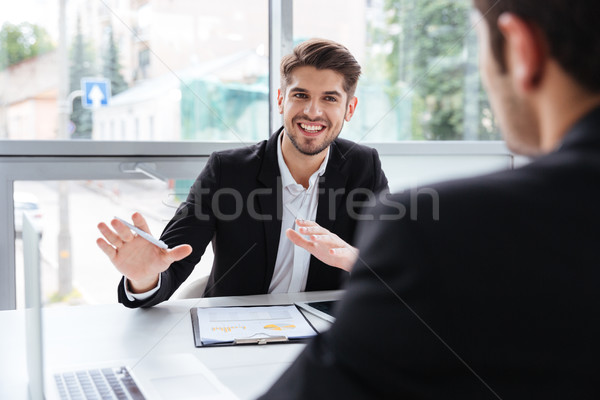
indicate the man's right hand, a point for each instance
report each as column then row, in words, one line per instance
column 137, row 259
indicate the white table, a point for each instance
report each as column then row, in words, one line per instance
column 85, row 335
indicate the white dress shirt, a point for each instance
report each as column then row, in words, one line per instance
column 292, row 262
column 140, row 296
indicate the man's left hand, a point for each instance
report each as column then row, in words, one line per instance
column 325, row 245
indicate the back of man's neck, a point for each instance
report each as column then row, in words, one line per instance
column 558, row 118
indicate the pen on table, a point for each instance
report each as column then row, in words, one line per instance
column 148, row 237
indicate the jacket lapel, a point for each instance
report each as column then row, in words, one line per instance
column 332, row 186
column 271, row 205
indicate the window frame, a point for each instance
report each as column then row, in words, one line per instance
column 87, row 159
column 84, row 160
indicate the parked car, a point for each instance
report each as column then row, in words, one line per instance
column 27, row 203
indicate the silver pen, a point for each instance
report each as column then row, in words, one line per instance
column 148, row 237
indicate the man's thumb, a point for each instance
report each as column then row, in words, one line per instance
column 180, row 252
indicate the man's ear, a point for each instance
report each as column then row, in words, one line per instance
column 351, row 108
column 524, row 50
column 280, row 101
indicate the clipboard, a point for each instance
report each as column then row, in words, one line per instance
column 266, row 336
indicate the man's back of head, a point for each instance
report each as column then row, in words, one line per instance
column 569, row 27
column 539, row 65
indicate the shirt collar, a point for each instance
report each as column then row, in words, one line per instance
column 286, row 176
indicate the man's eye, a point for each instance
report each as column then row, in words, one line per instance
column 329, row 98
column 300, row 95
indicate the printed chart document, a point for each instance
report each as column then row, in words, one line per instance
column 249, row 325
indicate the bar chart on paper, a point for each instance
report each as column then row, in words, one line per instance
column 282, row 327
column 228, row 328
column 232, row 324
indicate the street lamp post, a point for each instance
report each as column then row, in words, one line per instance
column 65, row 273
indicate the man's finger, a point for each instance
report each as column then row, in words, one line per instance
column 340, row 251
column 111, row 236
column 329, row 240
column 298, row 239
column 322, row 237
column 305, row 222
column 140, row 222
column 317, row 230
column 106, row 248
column 326, row 239
column 122, row 230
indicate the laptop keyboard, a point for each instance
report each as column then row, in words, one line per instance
column 98, row 384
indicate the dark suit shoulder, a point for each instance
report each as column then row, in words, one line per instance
column 463, row 204
column 242, row 155
column 349, row 150
column 552, row 200
column 240, row 166
column 359, row 163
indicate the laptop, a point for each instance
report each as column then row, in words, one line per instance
column 177, row 376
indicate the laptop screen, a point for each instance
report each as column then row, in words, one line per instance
column 33, row 310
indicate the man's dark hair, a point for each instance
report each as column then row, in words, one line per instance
column 322, row 54
column 570, row 27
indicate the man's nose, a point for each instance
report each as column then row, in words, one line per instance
column 313, row 109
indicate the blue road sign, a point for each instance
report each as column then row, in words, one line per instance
column 71, row 127
column 96, row 92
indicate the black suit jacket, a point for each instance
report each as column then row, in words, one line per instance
column 498, row 298
column 237, row 203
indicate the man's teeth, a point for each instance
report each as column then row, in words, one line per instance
column 311, row 128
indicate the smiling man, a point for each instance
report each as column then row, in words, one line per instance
column 281, row 214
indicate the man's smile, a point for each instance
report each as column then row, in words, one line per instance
column 311, row 128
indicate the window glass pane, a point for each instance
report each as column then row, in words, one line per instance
column 178, row 70
column 420, row 75
column 69, row 238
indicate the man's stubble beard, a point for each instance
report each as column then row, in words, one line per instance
column 316, row 151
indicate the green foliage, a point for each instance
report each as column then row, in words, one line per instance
column 112, row 67
column 21, row 42
column 82, row 65
column 430, row 69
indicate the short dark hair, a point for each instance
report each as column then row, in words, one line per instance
column 322, row 54
column 570, row 27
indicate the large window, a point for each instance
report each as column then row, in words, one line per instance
column 198, row 70
column 205, row 72
column 420, row 74
column 178, row 70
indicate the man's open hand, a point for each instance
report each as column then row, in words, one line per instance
column 326, row 246
column 139, row 260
